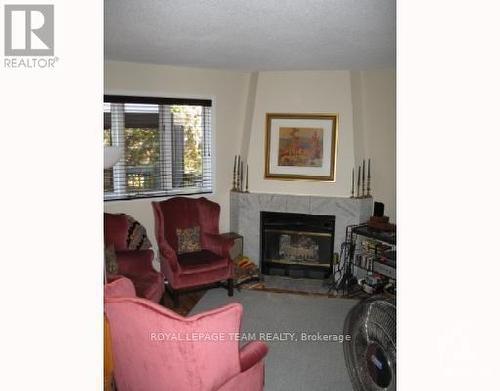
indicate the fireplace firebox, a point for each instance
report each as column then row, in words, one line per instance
column 296, row 244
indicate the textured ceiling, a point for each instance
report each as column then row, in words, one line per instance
column 253, row 34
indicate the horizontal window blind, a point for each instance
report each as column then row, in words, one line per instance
column 165, row 146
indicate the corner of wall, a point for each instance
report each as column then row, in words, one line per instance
column 357, row 115
column 248, row 120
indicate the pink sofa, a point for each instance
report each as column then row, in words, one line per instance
column 187, row 271
column 134, row 264
column 146, row 359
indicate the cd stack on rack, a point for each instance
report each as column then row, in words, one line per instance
column 386, row 264
column 369, row 251
column 373, row 257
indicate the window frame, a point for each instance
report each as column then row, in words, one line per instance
column 166, row 136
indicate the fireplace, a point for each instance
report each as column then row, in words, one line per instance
column 297, row 245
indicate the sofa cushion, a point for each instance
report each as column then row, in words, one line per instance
column 144, row 362
column 201, row 261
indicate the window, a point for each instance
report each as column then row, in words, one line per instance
column 165, row 144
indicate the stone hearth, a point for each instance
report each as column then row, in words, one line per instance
column 246, row 208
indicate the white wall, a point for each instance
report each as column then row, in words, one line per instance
column 303, row 92
column 374, row 108
column 228, row 90
column 364, row 101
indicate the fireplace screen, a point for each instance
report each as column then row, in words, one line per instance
column 297, row 247
column 289, row 239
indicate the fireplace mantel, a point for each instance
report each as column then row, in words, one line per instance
column 246, row 208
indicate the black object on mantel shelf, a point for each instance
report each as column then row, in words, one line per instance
column 378, row 221
column 378, row 209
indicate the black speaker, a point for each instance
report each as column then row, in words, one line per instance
column 378, row 209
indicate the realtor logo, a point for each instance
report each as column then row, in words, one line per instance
column 29, row 30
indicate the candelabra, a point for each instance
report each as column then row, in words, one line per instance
column 246, row 187
column 352, row 184
column 240, row 188
column 363, row 182
column 359, row 179
column 238, row 178
column 369, row 180
column 234, row 174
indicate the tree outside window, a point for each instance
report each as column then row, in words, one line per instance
column 148, row 154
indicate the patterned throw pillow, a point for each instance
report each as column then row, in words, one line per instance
column 110, row 257
column 137, row 237
column 188, row 240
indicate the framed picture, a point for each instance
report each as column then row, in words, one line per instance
column 301, row 146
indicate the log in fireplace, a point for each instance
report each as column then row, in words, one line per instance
column 298, row 245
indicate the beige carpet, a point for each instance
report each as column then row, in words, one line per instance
column 293, row 365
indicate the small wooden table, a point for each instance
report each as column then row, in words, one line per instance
column 237, row 250
column 236, row 254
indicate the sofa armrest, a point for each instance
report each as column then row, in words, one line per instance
column 252, row 353
column 135, row 262
column 168, row 253
column 218, row 244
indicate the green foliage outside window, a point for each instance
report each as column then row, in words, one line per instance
column 108, row 173
column 190, row 116
column 142, row 151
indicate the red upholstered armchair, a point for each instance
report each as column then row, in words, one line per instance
column 189, row 270
column 155, row 349
column 134, row 264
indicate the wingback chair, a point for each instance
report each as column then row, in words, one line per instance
column 134, row 264
column 190, row 270
column 155, row 349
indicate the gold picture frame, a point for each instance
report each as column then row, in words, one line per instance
column 301, row 146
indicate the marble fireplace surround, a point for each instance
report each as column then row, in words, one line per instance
column 245, row 211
